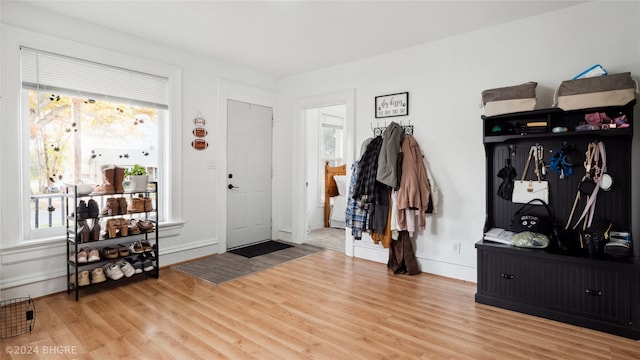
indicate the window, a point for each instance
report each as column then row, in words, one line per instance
column 331, row 146
column 82, row 115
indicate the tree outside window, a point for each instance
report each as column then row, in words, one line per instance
column 71, row 137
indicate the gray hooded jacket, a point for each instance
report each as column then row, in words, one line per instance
column 388, row 159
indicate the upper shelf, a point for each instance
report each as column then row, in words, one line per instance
column 501, row 128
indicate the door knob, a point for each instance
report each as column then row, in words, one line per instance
column 230, row 186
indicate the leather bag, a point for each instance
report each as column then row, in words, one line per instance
column 526, row 190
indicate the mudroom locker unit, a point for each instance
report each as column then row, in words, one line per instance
column 595, row 291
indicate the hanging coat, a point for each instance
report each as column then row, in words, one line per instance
column 388, row 160
column 414, row 185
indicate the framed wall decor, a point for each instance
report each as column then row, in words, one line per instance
column 392, row 105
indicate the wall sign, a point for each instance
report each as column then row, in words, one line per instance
column 392, row 105
column 199, row 132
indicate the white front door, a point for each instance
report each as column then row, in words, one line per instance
column 249, row 173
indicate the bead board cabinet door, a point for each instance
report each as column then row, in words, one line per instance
column 249, row 173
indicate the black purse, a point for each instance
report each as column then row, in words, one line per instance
column 530, row 217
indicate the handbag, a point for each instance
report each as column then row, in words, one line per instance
column 530, row 218
column 526, row 190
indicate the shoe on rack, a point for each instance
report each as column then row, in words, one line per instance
column 136, row 206
column 126, row 268
column 82, row 211
column 147, row 264
column 93, row 255
column 109, row 253
column 113, row 271
column 146, row 245
column 133, row 227
column 97, row 275
column 122, row 206
column 111, row 208
column 92, row 207
column 94, row 234
column 123, row 250
column 124, row 228
column 145, row 225
column 83, row 232
column 111, row 229
column 83, row 278
column 82, row 257
column 148, row 204
column 107, row 180
column 136, row 248
column 136, row 263
column 118, row 178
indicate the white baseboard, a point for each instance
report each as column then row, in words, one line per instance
column 377, row 253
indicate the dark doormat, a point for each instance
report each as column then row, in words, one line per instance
column 260, row 249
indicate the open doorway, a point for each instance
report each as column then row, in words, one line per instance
column 325, row 129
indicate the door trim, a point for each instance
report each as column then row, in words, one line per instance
column 230, row 90
column 298, row 217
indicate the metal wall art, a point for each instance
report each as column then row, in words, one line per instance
column 199, row 143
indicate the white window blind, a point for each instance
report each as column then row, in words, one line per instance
column 45, row 71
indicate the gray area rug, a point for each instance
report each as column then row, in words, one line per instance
column 221, row 268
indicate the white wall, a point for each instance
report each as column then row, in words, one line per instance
column 445, row 79
column 194, row 230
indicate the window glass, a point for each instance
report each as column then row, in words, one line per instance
column 331, row 147
column 71, row 137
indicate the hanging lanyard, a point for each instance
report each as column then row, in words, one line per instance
column 598, row 153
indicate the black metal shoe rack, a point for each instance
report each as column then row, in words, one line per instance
column 75, row 243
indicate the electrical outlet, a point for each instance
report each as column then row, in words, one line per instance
column 456, row 247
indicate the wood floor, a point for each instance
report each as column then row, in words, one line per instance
column 323, row 306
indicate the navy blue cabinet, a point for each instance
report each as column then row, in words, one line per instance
column 600, row 293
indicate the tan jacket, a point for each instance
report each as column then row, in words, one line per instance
column 414, row 184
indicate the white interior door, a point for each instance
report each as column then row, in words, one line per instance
column 249, row 173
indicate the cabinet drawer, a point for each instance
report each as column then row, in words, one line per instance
column 512, row 277
column 596, row 292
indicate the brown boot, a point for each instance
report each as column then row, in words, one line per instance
column 118, row 178
column 122, row 206
column 107, row 180
column 112, row 207
column 148, row 204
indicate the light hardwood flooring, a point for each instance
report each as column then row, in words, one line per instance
column 322, row 306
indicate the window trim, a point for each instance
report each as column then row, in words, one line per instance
column 169, row 138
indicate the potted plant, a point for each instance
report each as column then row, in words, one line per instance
column 138, row 176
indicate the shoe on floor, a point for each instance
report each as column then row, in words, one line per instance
column 113, row 271
column 97, row 276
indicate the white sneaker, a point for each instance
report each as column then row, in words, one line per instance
column 113, row 271
column 126, row 268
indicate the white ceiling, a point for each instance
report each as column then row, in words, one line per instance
column 284, row 38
